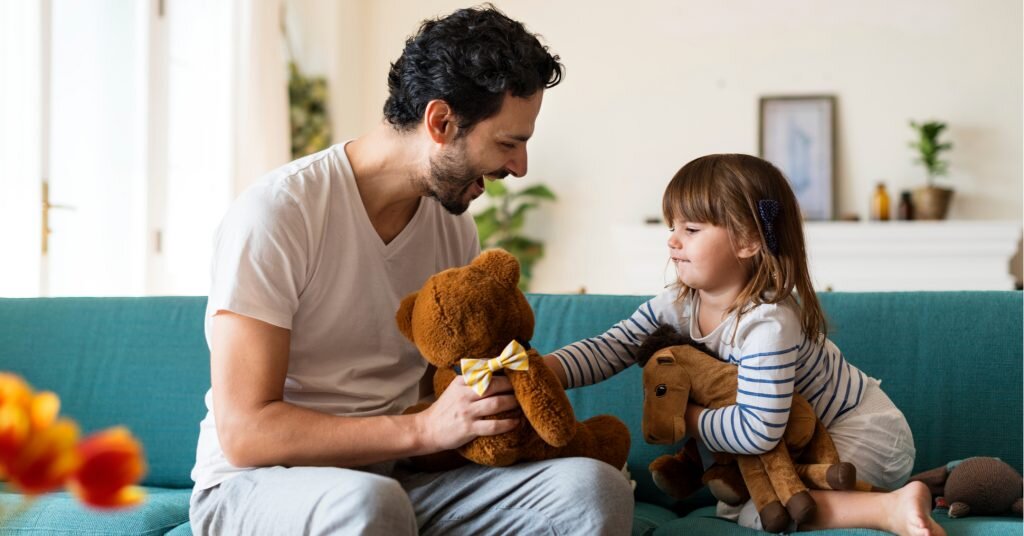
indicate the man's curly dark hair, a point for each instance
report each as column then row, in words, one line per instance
column 469, row 59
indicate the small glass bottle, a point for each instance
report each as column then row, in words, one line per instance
column 905, row 210
column 880, row 203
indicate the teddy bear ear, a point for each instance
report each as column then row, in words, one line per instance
column 500, row 264
column 404, row 315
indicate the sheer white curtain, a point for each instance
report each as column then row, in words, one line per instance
column 148, row 120
column 227, row 125
column 262, row 135
column 20, row 159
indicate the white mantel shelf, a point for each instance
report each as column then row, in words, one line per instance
column 863, row 256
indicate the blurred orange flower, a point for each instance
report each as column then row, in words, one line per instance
column 46, row 461
column 111, row 463
column 40, row 452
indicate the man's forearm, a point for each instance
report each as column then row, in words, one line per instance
column 285, row 434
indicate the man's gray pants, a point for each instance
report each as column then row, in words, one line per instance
column 565, row 496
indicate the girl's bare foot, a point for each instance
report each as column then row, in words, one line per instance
column 909, row 512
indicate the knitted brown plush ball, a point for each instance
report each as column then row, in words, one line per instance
column 984, row 487
column 979, row 486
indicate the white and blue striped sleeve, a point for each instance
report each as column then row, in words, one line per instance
column 599, row 358
column 765, row 355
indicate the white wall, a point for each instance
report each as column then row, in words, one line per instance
column 652, row 84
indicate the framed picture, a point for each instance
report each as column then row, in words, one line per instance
column 797, row 134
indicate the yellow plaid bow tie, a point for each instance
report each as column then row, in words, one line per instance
column 477, row 372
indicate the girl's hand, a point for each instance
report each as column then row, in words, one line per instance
column 692, row 418
column 556, row 366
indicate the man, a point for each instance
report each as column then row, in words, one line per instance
column 309, row 372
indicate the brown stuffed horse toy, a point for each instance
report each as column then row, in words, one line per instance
column 677, row 370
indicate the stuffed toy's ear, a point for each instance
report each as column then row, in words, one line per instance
column 404, row 315
column 500, row 264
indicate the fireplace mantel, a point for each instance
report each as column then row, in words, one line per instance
column 861, row 256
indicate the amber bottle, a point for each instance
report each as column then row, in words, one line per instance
column 880, row 203
column 905, row 210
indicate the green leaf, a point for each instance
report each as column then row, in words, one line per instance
column 488, row 214
column 495, row 188
column 539, row 191
column 499, row 224
column 530, row 249
column 929, row 147
column 486, row 225
column 521, row 209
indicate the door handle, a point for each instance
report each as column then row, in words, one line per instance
column 47, row 206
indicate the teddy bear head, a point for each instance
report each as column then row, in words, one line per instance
column 472, row 311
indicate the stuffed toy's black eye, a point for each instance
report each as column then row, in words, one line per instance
column 660, row 390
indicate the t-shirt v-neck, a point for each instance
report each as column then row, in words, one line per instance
column 363, row 217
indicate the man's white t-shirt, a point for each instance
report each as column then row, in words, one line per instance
column 297, row 250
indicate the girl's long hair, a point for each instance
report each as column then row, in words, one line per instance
column 724, row 190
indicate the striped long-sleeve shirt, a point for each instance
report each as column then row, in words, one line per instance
column 775, row 359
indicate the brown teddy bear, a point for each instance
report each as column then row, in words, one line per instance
column 677, row 370
column 475, row 321
column 980, row 486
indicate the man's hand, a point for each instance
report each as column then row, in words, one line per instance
column 459, row 414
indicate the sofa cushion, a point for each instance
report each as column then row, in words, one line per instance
column 184, row 529
column 703, row 521
column 62, row 514
column 951, row 361
column 647, row 517
column 140, row 362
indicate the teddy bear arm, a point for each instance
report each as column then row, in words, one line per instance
column 442, row 377
column 544, row 402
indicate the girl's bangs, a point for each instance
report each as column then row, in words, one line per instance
column 688, row 197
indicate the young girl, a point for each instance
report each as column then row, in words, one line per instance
column 744, row 291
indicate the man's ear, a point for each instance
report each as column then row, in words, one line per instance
column 439, row 119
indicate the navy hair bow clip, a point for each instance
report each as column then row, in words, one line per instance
column 768, row 210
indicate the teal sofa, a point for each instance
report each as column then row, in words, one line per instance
column 951, row 360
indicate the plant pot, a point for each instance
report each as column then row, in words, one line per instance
column 931, row 202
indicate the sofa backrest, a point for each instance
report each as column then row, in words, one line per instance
column 952, row 361
column 140, row 362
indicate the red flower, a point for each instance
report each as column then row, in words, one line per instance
column 111, row 463
column 46, row 460
column 14, row 428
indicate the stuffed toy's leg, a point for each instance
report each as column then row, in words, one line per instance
column 820, row 468
column 726, row 483
column 787, row 484
column 603, row 437
column 774, row 517
column 679, row 475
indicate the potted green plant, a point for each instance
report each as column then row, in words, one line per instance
column 499, row 225
column 931, row 202
column 307, row 110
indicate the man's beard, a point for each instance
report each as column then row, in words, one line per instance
column 450, row 176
